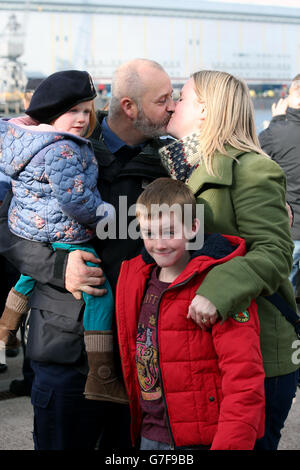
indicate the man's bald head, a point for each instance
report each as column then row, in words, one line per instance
column 131, row 79
column 141, row 100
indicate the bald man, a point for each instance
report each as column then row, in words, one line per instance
column 126, row 144
column 141, row 103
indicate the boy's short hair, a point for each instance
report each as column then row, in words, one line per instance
column 166, row 192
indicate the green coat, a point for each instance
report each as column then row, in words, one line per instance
column 248, row 199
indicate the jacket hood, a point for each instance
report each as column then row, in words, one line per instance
column 19, row 144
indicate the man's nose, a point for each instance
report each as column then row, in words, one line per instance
column 171, row 105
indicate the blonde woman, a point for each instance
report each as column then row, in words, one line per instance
column 217, row 154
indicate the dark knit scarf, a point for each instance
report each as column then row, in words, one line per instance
column 181, row 157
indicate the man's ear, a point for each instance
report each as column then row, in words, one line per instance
column 293, row 100
column 129, row 107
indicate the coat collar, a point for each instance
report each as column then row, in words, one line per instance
column 217, row 249
column 215, row 246
column 293, row 114
column 223, row 168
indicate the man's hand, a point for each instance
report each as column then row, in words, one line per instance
column 203, row 312
column 280, row 107
column 80, row 277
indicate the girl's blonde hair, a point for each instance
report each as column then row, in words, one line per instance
column 92, row 122
column 230, row 115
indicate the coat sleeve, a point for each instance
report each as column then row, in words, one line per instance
column 64, row 169
column 37, row 260
column 266, row 141
column 258, row 198
column 266, row 138
column 241, row 419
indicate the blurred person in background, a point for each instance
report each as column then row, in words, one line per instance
column 281, row 141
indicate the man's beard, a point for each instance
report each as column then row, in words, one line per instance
column 147, row 127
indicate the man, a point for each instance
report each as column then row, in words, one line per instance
column 9, row 277
column 23, row 386
column 126, row 146
column 281, row 140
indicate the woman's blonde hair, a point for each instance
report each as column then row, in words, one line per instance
column 230, row 115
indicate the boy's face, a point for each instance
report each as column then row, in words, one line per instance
column 75, row 120
column 165, row 240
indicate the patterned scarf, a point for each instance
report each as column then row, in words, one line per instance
column 181, row 157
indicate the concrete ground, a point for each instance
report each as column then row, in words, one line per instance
column 15, row 413
column 16, row 416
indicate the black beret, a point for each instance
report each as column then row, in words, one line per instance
column 58, row 93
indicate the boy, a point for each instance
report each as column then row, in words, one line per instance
column 187, row 386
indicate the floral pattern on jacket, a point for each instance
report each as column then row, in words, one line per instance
column 54, row 181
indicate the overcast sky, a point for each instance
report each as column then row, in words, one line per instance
column 278, row 3
column 71, row 39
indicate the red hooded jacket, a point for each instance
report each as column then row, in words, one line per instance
column 212, row 381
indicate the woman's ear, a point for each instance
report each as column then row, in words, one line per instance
column 202, row 111
column 129, row 107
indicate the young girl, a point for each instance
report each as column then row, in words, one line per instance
column 55, row 199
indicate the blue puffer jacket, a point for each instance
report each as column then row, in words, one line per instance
column 54, row 181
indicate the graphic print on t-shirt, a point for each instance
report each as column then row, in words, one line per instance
column 154, row 425
column 146, row 342
column 146, row 352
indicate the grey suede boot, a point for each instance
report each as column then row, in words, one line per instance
column 102, row 382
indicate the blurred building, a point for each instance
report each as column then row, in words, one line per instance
column 258, row 43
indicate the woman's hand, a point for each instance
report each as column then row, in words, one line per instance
column 203, row 312
column 80, row 278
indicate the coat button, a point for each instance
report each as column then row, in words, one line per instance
column 211, row 398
